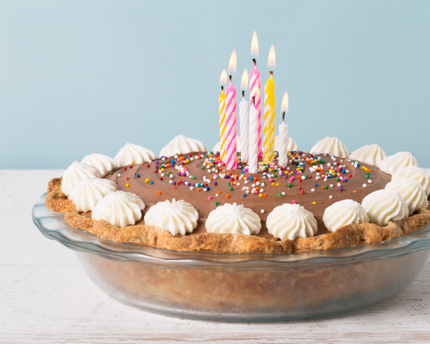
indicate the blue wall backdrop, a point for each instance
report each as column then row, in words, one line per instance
column 78, row 77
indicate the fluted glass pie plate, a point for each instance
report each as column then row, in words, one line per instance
column 253, row 287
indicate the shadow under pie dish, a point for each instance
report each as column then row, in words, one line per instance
column 231, row 276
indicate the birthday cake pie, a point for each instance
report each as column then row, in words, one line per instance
column 186, row 200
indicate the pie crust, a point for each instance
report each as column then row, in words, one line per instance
column 347, row 236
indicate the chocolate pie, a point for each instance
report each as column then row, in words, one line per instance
column 193, row 187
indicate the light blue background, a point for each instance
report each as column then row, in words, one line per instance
column 80, row 77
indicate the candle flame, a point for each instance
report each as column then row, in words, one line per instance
column 254, row 45
column 284, row 106
column 223, row 78
column 244, row 83
column 233, row 63
column 272, row 57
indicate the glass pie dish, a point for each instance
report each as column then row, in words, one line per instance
column 252, row 287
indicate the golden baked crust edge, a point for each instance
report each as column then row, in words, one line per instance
column 224, row 243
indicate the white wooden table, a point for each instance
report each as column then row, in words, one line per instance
column 46, row 297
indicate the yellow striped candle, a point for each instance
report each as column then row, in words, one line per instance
column 269, row 121
column 222, row 122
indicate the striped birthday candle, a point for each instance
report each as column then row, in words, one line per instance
column 230, row 127
column 255, row 91
column 222, row 122
column 269, row 120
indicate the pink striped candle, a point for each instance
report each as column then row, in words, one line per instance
column 230, row 127
column 255, row 91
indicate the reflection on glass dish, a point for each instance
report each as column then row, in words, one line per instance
column 249, row 287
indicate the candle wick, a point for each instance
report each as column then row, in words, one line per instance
column 229, row 77
column 283, row 117
column 255, row 62
column 253, row 100
column 222, row 88
column 271, row 73
column 243, row 94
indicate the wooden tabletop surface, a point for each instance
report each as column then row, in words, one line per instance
column 45, row 296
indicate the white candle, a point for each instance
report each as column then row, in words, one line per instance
column 283, row 143
column 283, row 134
column 253, row 138
column 244, row 136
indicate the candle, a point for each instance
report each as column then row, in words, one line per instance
column 222, row 80
column 283, row 134
column 230, row 123
column 255, row 90
column 243, row 115
column 269, row 113
column 253, row 138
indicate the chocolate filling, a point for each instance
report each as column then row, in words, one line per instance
column 140, row 176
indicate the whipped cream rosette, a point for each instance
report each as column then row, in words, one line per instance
column 369, row 154
column 414, row 173
column 119, row 208
column 88, row 192
column 176, row 217
column 233, row 218
column 182, row 144
column 385, row 205
column 132, row 154
column 102, row 162
column 76, row 172
column 395, row 162
column 412, row 192
column 290, row 221
column 343, row 213
column 331, row 146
